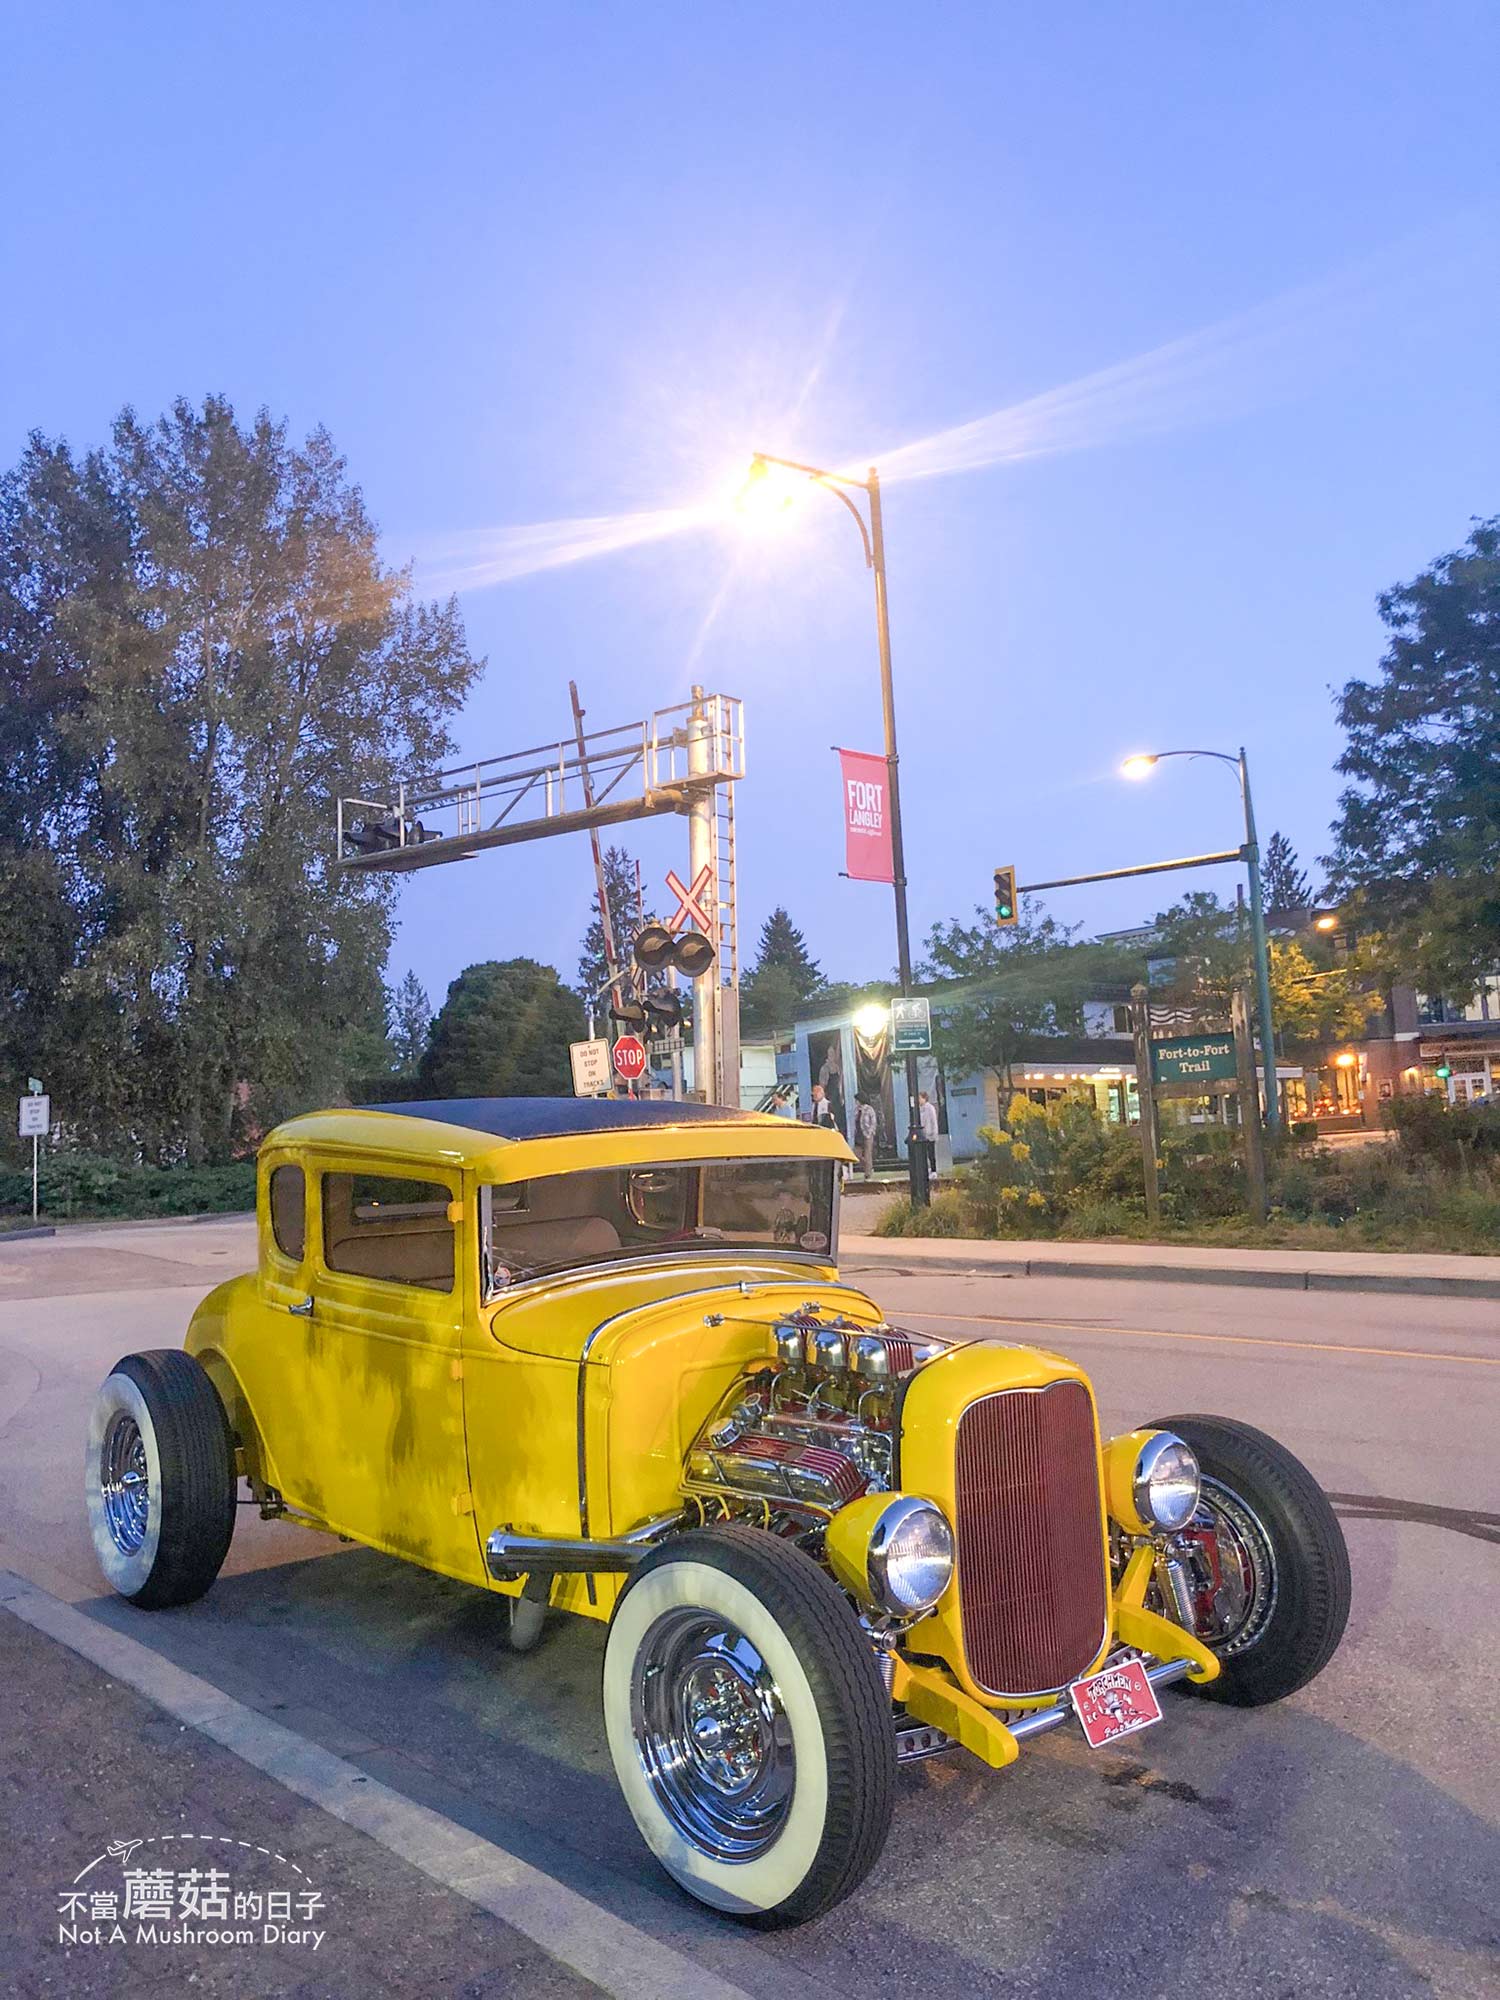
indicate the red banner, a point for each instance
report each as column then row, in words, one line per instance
column 867, row 817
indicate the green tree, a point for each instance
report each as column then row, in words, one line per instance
column 625, row 917
column 212, row 650
column 503, row 1031
column 1283, row 880
column 783, row 978
column 411, row 1023
column 1203, row 949
column 1417, row 838
column 992, row 989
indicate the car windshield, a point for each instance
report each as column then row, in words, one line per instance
column 559, row 1221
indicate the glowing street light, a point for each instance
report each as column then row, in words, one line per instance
column 771, row 487
column 871, row 1018
column 1141, row 765
column 1325, row 923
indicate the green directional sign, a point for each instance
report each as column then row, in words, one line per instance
column 911, row 1025
column 1194, row 1059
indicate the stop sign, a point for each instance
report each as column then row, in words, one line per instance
column 630, row 1057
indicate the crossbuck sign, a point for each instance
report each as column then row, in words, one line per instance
column 691, row 907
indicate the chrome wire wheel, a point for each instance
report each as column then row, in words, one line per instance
column 124, row 1483
column 1236, row 1578
column 712, row 1734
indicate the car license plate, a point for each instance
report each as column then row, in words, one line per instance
column 1115, row 1702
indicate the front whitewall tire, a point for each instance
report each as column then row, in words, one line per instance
column 832, row 1725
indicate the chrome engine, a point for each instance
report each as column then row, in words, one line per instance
column 798, row 1440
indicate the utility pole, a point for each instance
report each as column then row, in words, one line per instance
column 611, row 962
column 1244, row 1063
column 1262, row 958
column 1145, row 1090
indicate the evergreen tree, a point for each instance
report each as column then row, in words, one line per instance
column 625, row 920
column 200, row 648
column 1417, row 849
column 1284, row 884
column 782, row 980
column 411, row 1024
column 503, row 1031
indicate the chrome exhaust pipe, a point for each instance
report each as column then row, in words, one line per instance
column 509, row 1556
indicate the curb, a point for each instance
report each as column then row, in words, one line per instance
column 1180, row 1274
column 26, row 1235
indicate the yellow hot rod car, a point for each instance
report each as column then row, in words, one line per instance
column 595, row 1356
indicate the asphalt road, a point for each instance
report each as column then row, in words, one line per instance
column 1342, row 1843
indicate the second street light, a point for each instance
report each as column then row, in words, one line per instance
column 772, row 487
column 1141, row 766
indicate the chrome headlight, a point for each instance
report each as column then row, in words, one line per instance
column 1165, row 1488
column 909, row 1558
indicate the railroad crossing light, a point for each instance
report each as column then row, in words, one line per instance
column 655, row 946
column 652, row 947
column 665, row 1010
column 629, row 1013
column 1005, row 896
column 373, row 836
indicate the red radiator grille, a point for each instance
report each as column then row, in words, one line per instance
column 1031, row 1577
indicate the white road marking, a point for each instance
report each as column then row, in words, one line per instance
column 618, row 1958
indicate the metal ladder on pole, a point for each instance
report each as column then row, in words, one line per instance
column 726, row 922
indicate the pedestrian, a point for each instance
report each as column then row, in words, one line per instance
column 865, row 1126
column 927, row 1114
column 822, row 1110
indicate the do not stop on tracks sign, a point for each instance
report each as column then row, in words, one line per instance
column 630, row 1057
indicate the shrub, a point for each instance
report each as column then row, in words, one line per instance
column 76, row 1184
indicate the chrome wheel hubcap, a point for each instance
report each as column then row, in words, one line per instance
column 123, row 1483
column 712, row 1734
column 1235, row 1572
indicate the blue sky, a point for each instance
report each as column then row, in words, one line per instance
column 536, row 263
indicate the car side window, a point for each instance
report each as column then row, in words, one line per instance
column 288, row 1204
column 386, row 1226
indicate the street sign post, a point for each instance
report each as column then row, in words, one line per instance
column 1195, row 1059
column 630, row 1057
column 34, row 1122
column 590, row 1062
column 911, row 1025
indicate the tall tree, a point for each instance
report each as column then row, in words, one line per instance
column 1417, row 839
column 1203, row 949
column 994, row 989
column 503, row 1031
column 1284, row 881
column 213, row 651
column 625, row 917
column 783, row 978
column 411, row 1023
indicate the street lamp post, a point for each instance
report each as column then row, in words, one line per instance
column 1140, row 767
column 873, row 538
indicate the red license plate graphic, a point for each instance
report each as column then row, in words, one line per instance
column 1115, row 1702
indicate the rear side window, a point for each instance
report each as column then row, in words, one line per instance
column 382, row 1226
column 289, row 1212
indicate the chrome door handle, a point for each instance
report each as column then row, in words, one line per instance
column 304, row 1311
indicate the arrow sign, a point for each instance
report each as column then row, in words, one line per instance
column 691, row 907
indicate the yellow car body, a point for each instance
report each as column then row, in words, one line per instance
column 418, row 1419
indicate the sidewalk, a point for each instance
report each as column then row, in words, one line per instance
column 1425, row 1274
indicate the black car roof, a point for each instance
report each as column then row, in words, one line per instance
column 560, row 1117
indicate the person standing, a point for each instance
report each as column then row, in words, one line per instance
column 927, row 1114
column 865, row 1126
column 822, row 1110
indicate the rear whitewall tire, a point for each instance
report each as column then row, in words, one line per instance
column 159, row 1479
column 830, row 1695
